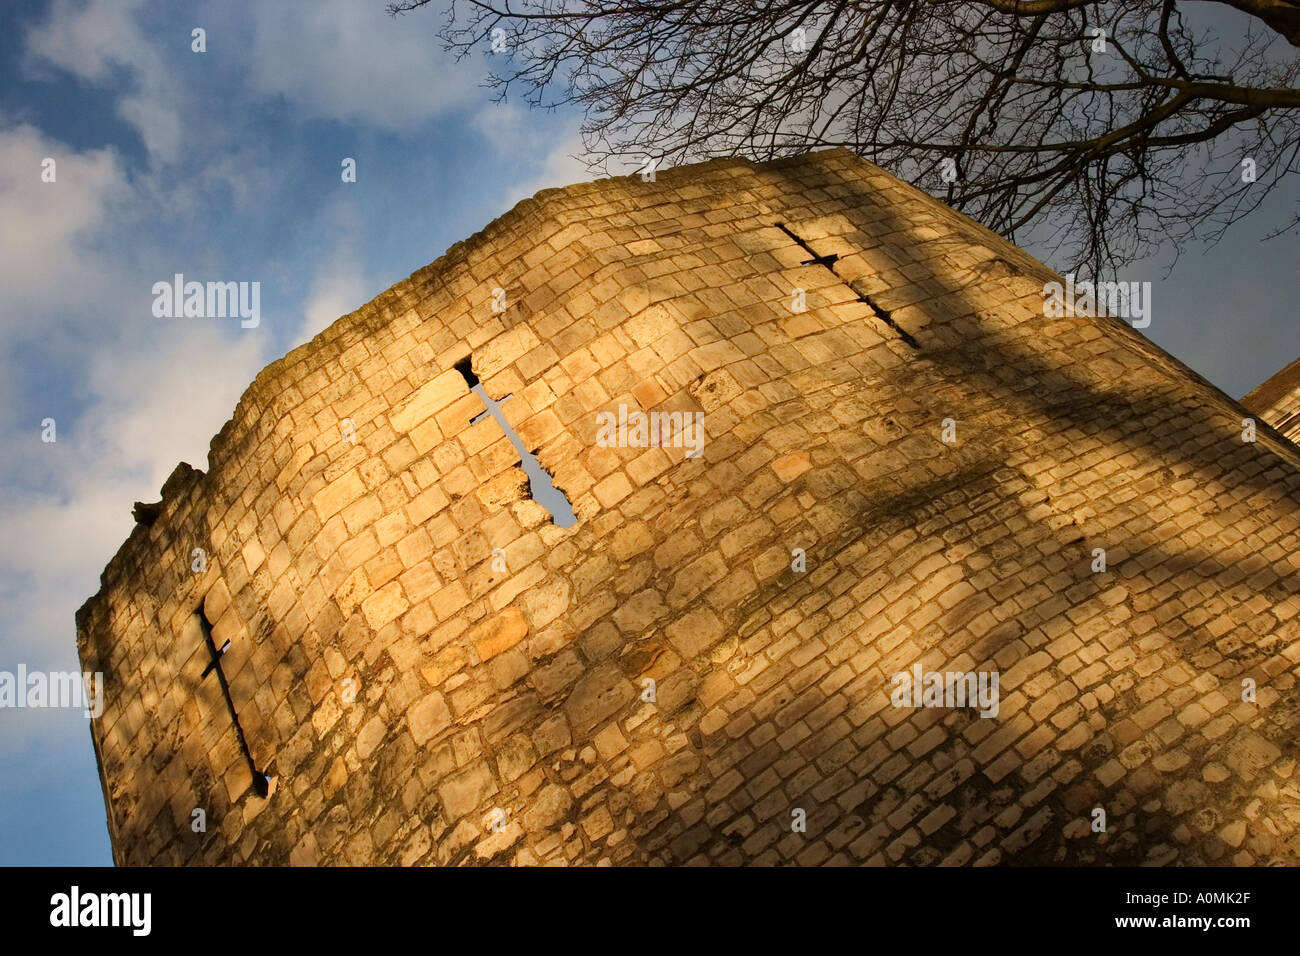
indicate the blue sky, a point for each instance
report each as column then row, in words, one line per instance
column 225, row 165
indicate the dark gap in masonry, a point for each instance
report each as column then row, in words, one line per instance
column 261, row 782
column 829, row 262
column 540, row 486
column 466, row 370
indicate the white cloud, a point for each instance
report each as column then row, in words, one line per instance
column 156, row 122
column 339, row 288
column 501, row 124
column 505, row 125
column 363, row 65
column 156, row 407
column 45, row 260
column 89, row 39
column 562, row 166
column 93, row 40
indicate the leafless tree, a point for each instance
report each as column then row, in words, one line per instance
column 1107, row 132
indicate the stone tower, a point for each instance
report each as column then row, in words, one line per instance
column 906, row 468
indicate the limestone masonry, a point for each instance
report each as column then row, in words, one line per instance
column 1277, row 401
column 919, row 473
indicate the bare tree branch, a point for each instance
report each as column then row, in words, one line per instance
column 1108, row 134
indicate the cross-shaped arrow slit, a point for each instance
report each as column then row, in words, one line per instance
column 829, row 262
column 261, row 781
column 540, row 486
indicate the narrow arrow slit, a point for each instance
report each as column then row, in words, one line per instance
column 261, row 782
column 829, row 262
column 540, row 486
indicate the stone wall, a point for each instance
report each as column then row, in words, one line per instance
column 1277, row 401
column 499, row 715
